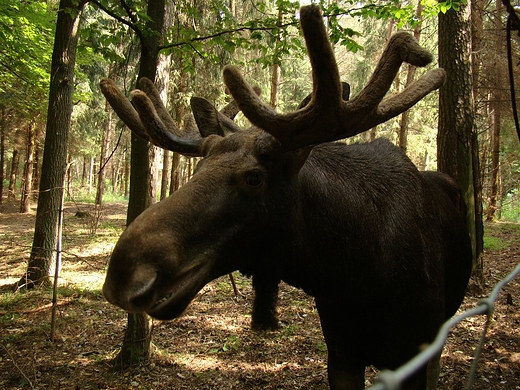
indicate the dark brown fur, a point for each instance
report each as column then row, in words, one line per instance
column 357, row 227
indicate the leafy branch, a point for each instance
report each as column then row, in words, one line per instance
column 133, row 23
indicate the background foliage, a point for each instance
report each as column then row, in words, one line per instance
column 204, row 36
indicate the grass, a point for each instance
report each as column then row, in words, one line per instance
column 494, row 243
column 497, row 235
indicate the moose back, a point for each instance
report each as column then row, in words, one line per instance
column 381, row 247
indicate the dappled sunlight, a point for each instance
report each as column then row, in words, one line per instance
column 211, row 345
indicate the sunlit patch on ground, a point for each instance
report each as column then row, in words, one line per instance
column 211, row 345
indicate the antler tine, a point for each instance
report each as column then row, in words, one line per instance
column 325, row 75
column 397, row 104
column 123, row 107
column 147, row 86
column 402, row 47
column 148, row 121
column 231, row 109
column 158, row 132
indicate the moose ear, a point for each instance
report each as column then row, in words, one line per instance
column 297, row 159
column 206, row 117
column 209, row 120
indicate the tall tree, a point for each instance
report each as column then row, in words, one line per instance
column 54, row 161
column 405, row 116
column 497, row 97
column 28, row 168
column 138, row 335
column 3, row 121
column 105, row 139
column 457, row 152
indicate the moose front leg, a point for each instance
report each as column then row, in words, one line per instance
column 345, row 369
column 266, row 298
column 342, row 375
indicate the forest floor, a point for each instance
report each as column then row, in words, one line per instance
column 211, row 345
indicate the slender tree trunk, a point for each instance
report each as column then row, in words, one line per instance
column 84, row 172
column 495, row 154
column 43, row 252
column 68, row 172
column 90, row 174
column 496, row 108
column 165, row 173
column 174, row 176
column 2, row 153
column 126, row 175
column 15, row 162
column 456, row 140
column 25, row 202
column 276, row 75
column 36, row 166
column 404, row 124
column 138, row 335
column 103, row 156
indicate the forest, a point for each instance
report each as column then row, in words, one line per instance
column 73, row 176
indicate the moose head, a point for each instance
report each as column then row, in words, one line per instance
column 348, row 224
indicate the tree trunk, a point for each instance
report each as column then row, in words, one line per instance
column 36, row 166
column 84, row 172
column 276, row 75
column 137, row 343
column 103, row 156
column 162, row 81
column 497, row 97
column 43, row 252
column 456, row 139
column 138, row 334
column 126, row 175
column 15, row 162
column 2, row 153
column 68, row 173
column 174, row 176
column 25, row 202
column 402, row 139
column 495, row 154
column 165, row 173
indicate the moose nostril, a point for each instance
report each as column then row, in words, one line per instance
column 142, row 294
column 136, row 294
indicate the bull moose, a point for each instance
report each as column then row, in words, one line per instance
column 381, row 247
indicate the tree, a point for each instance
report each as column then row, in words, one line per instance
column 26, row 30
column 105, row 139
column 405, row 116
column 496, row 92
column 138, row 335
column 54, row 162
column 457, row 153
column 3, row 121
column 28, row 169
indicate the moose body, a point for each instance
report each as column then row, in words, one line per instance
column 381, row 247
column 359, row 228
column 266, row 281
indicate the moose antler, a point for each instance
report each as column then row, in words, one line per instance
column 151, row 121
column 328, row 117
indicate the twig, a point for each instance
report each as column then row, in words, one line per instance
column 17, row 367
column 37, row 309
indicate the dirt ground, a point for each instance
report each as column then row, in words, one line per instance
column 211, row 346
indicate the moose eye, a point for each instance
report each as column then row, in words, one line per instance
column 254, row 178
